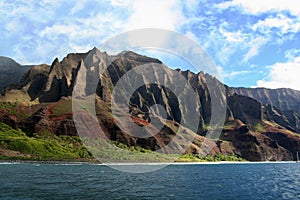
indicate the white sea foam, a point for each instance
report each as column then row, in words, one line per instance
column 150, row 163
column 201, row 163
column 9, row 163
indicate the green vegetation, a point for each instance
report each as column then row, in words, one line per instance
column 62, row 107
column 118, row 152
column 10, row 108
column 216, row 158
column 14, row 144
column 259, row 128
column 13, row 109
column 18, row 96
column 229, row 125
column 7, row 105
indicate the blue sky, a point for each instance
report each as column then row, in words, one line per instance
column 253, row 43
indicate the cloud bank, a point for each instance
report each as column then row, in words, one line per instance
column 240, row 36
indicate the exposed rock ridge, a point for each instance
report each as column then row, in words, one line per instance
column 254, row 117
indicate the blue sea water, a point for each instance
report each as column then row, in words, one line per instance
column 213, row 181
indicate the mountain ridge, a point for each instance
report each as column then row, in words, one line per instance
column 249, row 130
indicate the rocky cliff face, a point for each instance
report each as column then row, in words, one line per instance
column 10, row 71
column 254, row 129
column 283, row 105
column 284, row 99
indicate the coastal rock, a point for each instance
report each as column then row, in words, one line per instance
column 47, row 91
column 245, row 109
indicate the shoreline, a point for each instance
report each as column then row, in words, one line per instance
column 60, row 162
column 54, row 162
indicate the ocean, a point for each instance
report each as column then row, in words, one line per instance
column 183, row 181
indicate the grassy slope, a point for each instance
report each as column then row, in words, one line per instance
column 15, row 144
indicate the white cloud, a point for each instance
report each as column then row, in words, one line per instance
column 283, row 75
column 78, row 6
column 81, row 25
column 133, row 15
column 292, row 54
column 192, row 36
column 191, row 6
column 217, row 42
column 232, row 74
column 233, row 36
column 281, row 23
column 263, row 6
column 254, row 45
column 226, row 42
column 55, row 30
column 120, row 2
column 283, row 19
column 39, row 31
column 155, row 14
column 50, row 3
column 233, row 43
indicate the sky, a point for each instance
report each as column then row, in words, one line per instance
column 252, row 43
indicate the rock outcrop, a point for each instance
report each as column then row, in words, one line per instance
column 10, row 71
column 261, row 124
column 284, row 99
